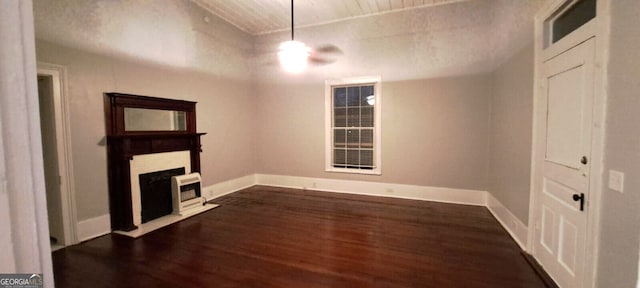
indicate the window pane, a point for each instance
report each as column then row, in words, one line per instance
column 353, row 96
column 353, row 117
column 366, row 96
column 353, row 138
column 572, row 19
column 353, row 158
column 339, row 156
column 340, row 117
column 340, row 138
column 366, row 157
column 339, row 97
column 366, row 117
column 366, row 138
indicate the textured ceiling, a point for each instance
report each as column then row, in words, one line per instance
column 266, row 16
column 465, row 37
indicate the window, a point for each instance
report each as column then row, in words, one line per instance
column 353, row 125
column 572, row 15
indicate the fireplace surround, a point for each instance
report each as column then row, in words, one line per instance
column 123, row 144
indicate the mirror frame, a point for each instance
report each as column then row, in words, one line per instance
column 114, row 104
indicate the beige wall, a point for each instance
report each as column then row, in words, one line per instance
column 435, row 117
column 224, row 111
column 436, row 66
column 434, row 131
column 620, row 222
column 154, row 48
column 511, row 132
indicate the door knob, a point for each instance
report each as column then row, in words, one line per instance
column 584, row 160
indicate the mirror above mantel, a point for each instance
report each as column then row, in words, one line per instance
column 128, row 114
column 142, row 119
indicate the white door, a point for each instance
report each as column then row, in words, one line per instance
column 560, row 236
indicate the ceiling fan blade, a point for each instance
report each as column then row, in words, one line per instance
column 325, row 54
column 328, row 48
column 320, row 61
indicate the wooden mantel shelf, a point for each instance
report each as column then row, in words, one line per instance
column 129, row 145
column 156, row 135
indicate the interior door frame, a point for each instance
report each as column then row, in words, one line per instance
column 63, row 141
column 597, row 28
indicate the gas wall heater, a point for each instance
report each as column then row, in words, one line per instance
column 186, row 193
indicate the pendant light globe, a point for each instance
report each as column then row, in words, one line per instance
column 293, row 56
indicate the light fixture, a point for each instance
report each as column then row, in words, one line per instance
column 293, row 55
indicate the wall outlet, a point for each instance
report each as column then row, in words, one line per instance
column 616, row 181
column 389, row 190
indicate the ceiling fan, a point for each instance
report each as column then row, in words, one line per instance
column 294, row 56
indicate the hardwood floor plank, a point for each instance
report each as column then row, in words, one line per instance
column 275, row 237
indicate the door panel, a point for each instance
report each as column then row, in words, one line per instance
column 564, row 117
column 567, row 252
column 560, row 193
column 547, row 239
column 568, row 101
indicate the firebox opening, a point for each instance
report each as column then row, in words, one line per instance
column 155, row 193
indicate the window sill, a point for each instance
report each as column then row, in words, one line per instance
column 354, row 171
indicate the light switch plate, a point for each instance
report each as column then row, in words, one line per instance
column 616, row 181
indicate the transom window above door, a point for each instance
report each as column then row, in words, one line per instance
column 569, row 17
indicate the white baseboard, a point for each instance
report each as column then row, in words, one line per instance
column 230, row 186
column 438, row 194
column 94, row 227
column 510, row 222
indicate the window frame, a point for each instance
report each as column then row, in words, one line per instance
column 376, row 81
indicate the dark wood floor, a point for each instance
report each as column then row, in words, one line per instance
column 274, row 237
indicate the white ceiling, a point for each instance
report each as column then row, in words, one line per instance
column 266, row 16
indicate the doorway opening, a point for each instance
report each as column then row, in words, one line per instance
column 55, row 132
